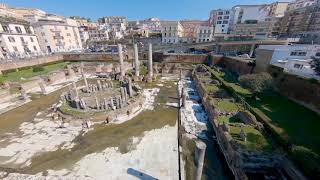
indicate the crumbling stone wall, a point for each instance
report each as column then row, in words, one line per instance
column 237, row 65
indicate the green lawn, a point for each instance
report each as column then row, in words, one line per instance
column 300, row 123
column 212, row 88
column 28, row 73
column 228, row 119
column 226, row 105
column 255, row 140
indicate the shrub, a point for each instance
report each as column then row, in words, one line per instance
column 37, row 68
column 309, row 161
column 257, row 83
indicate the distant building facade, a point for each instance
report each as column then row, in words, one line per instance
column 171, row 32
column 17, row 38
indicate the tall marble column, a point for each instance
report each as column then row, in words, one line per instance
column 122, row 72
column 136, row 60
column 85, row 82
column 130, row 87
column 150, row 68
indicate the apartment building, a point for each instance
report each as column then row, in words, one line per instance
column 301, row 4
column 17, row 38
column 204, row 34
column 301, row 21
column 257, row 21
column 56, row 34
column 220, row 21
column 171, row 31
column 190, row 28
column 98, row 34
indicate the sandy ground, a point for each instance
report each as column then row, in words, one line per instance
column 149, row 95
column 154, row 157
column 40, row 135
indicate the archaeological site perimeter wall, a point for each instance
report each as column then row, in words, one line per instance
column 237, row 65
column 304, row 91
column 29, row 62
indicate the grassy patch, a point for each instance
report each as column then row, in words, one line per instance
column 300, row 123
column 226, row 105
column 28, row 73
column 228, row 119
column 255, row 139
column 212, row 88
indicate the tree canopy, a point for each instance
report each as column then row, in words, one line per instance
column 257, row 83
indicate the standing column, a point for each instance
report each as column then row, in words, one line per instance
column 85, row 82
column 150, row 69
column 75, row 89
column 130, row 87
column 199, row 155
column 136, row 60
column 43, row 88
column 122, row 73
column 253, row 47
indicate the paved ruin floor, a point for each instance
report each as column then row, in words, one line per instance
column 145, row 145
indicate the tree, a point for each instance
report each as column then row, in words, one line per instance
column 315, row 65
column 257, row 83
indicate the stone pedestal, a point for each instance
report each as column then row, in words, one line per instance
column 200, row 152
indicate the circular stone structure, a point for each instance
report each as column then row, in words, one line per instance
column 102, row 95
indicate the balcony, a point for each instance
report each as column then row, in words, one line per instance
column 55, row 30
column 58, row 37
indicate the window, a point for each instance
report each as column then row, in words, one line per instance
column 66, row 28
column 225, row 22
column 18, row 29
column 318, row 54
column 298, row 66
column 5, row 28
column 227, row 12
column 220, row 13
column 22, row 39
column 165, row 34
column 15, row 48
column 298, row 53
column 222, row 25
column 43, row 34
column 226, row 17
column 220, row 17
column 11, row 39
column 35, row 48
column 68, row 34
column 31, row 39
column 219, row 22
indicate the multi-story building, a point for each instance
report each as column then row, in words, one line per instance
column 220, row 21
column 293, row 58
column 257, row 21
column 171, row 32
column 204, row 34
column 303, row 23
column 17, row 38
column 300, row 4
column 190, row 27
column 56, row 34
column 84, row 25
column 113, row 20
column 152, row 24
column 98, row 34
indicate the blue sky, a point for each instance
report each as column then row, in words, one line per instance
column 133, row 9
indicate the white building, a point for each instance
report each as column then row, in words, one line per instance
column 204, row 34
column 292, row 58
column 99, row 33
column 220, row 20
column 171, row 32
column 289, row 52
column 298, row 67
column 17, row 38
